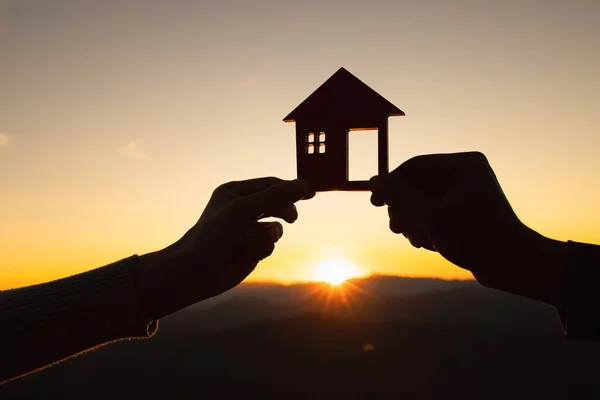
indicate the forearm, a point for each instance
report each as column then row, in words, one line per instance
column 543, row 268
column 46, row 323
column 565, row 275
column 531, row 266
column 168, row 283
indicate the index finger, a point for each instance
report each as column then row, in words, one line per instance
column 250, row 186
column 435, row 174
column 276, row 197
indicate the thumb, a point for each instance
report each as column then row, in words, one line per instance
column 412, row 204
column 278, row 196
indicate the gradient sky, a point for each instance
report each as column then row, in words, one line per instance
column 119, row 118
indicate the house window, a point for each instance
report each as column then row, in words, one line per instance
column 363, row 153
column 311, row 142
column 321, row 142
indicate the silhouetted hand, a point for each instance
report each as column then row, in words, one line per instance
column 224, row 246
column 453, row 204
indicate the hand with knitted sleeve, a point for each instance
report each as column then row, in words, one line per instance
column 47, row 323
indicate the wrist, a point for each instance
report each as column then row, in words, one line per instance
column 158, row 290
column 170, row 280
column 543, row 269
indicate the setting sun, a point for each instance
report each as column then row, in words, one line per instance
column 336, row 270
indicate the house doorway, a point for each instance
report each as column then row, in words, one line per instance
column 362, row 154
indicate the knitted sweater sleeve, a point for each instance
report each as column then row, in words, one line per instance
column 44, row 324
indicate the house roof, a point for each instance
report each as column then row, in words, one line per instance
column 343, row 93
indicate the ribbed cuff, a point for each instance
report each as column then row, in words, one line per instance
column 580, row 317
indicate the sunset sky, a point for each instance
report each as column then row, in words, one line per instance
column 119, row 118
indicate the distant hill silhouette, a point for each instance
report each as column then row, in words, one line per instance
column 379, row 285
column 453, row 340
column 377, row 298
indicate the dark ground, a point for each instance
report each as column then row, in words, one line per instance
column 438, row 340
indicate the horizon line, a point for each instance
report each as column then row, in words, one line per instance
column 364, row 277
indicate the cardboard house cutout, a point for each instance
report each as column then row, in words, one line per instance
column 323, row 122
